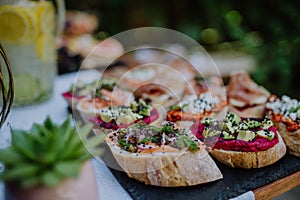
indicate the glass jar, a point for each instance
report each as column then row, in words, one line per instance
column 28, row 35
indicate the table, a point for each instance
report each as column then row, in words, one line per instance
column 56, row 108
column 109, row 187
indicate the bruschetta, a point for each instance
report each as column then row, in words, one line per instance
column 245, row 97
column 165, row 156
column 112, row 118
column 193, row 109
column 241, row 142
column 285, row 113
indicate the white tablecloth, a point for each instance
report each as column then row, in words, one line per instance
column 56, row 108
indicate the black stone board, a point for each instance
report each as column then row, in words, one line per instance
column 235, row 182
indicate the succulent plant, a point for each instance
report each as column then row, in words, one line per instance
column 47, row 153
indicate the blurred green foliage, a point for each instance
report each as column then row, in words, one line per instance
column 267, row 29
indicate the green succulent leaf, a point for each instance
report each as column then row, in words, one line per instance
column 48, row 157
column 51, row 178
column 22, row 171
column 22, row 145
column 69, row 168
column 35, row 131
column 65, row 130
column 48, row 123
column 9, row 156
column 30, row 181
column 18, row 137
column 46, row 154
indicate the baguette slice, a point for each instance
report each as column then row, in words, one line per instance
column 291, row 139
column 167, row 169
column 243, row 92
column 256, row 111
column 193, row 108
column 284, row 112
column 249, row 160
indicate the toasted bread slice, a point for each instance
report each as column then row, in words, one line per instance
column 246, row 98
column 256, row 111
column 291, row 139
column 249, row 160
column 284, row 112
column 167, row 168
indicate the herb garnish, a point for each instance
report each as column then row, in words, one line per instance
column 139, row 134
column 293, row 110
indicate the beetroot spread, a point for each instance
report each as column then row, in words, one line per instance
column 69, row 95
column 154, row 115
column 259, row 143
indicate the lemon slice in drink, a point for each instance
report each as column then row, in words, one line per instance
column 45, row 47
column 27, row 88
column 17, row 25
column 46, row 17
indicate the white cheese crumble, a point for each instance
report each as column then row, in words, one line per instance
column 205, row 102
column 289, row 108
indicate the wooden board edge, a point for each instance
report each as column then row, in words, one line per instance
column 277, row 187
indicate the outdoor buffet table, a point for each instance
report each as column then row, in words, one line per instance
column 111, row 183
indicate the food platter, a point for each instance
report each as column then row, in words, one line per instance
column 235, row 181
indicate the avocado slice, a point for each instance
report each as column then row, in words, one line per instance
column 267, row 123
column 213, row 133
column 134, row 106
column 233, row 118
column 127, row 117
column 227, row 126
column 105, row 117
column 227, row 136
column 146, row 111
column 205, row 132
column 124, row 119
column 141, row 107
column 252, row 123
column 108, row 114
column 208, row 121
column 243, row 126
column 210, row 133
column 266, row 134
column 246, row 135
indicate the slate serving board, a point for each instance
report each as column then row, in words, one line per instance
column 235, row 182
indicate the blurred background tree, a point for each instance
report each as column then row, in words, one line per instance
column 268, row 30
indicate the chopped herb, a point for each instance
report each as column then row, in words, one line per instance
column 193, row 147
column 179, row 143
column 175, row 107
column 145, row 140
column 292, row 110
column 98, row 94
column 126, row 146
column 199, row 79
column 168, row 129
column 108, row 84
